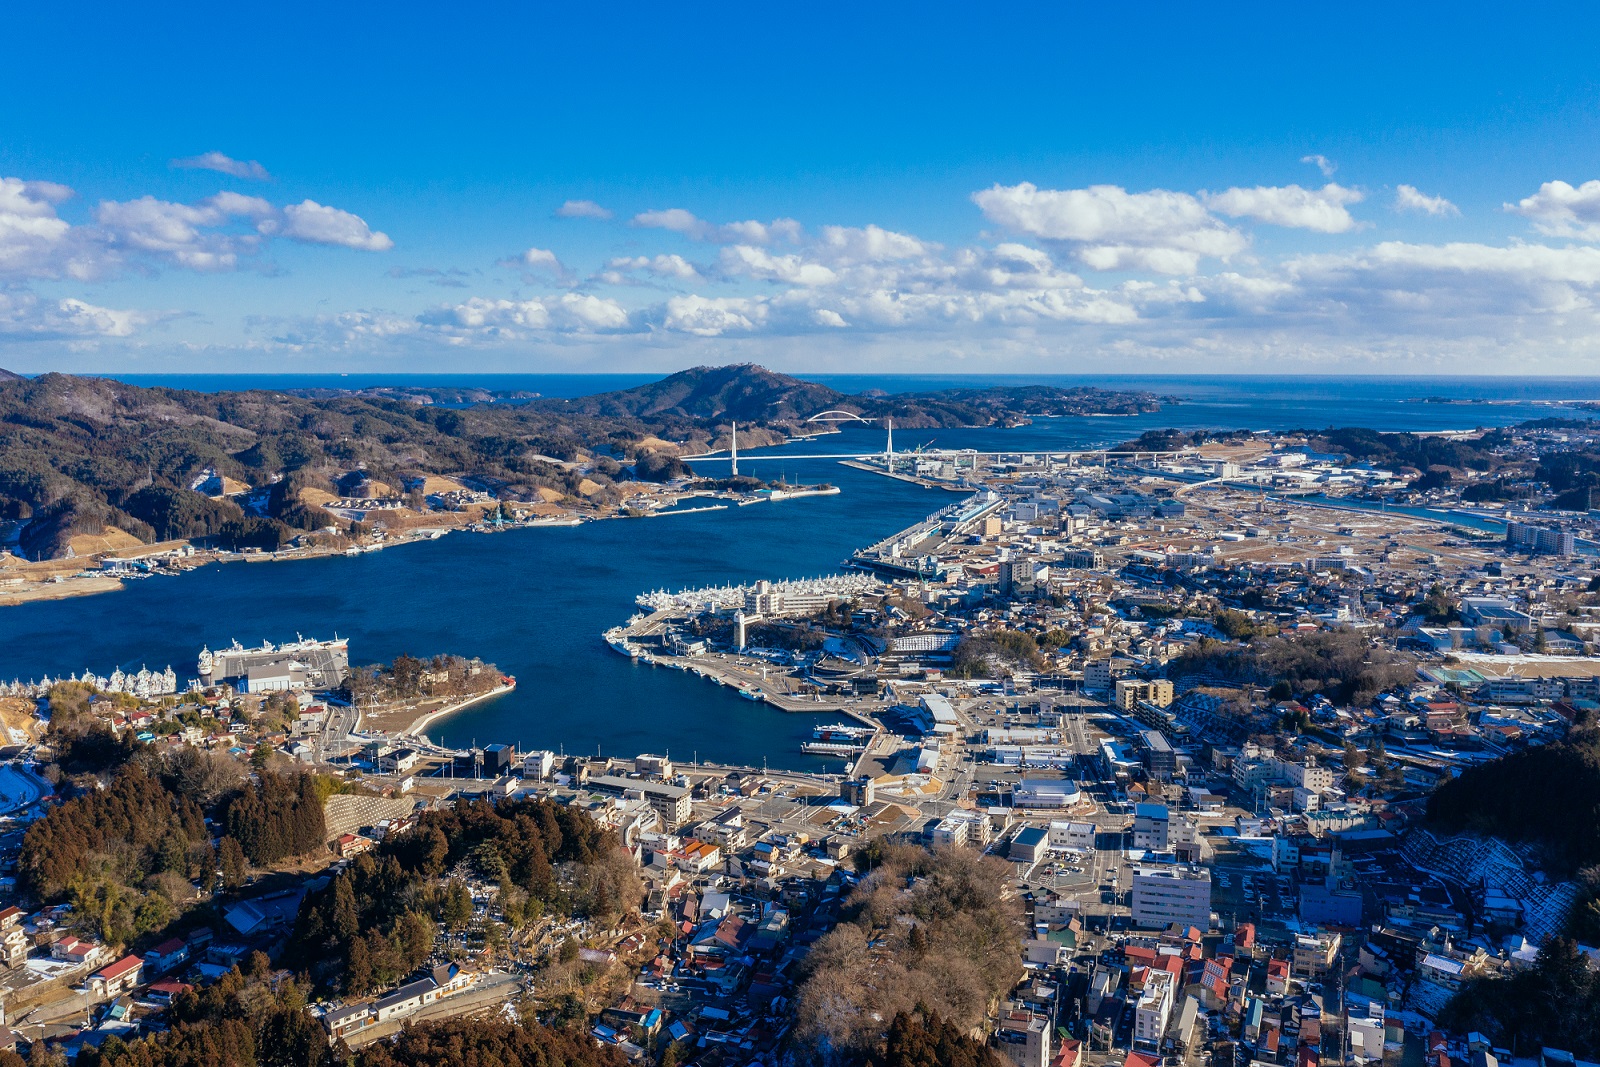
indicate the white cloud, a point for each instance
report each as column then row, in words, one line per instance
column 1457, row 279
column 758, row 263
column 31, row 232
column 480, row 319
column 218, row 233
column 1135, row 258
column 1016, row 255
column 582, row 209
column 1322, row 163
column 313, row 223
column 713, row 316
column 670, row 266
column 24, row 316
column 186, row 234
column 542, row 259
column 1191, row 291
column 583, row 311
column 749, row 232
column 1113, row 229
column 870, row 244
column 1410, row 198
column 488, row 317
column 1322, row 210
column 1560, row 210
column 249, row 170
column 346, row 330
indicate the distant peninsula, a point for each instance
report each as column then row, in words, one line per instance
column 89, row 463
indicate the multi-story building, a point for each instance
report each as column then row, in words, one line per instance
column 960, row 828
column 1030, row 844
column 1538, row 539
column 1160, row 759
column 1183, row 837
column 861, row 792
column 1151, row 825
column 1016, row 577
column 1309, row 775
column 1154, row 1009
column 1130, row 691
column 1172, row 894
column 671, row 802
column 1097, row 674
column 1024, row 1039
column 1314, row 955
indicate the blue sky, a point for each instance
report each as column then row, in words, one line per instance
column 1379, row 188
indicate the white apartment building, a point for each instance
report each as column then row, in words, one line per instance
column 1176, row 894
column 960, row 828
column 1308, row 776
column 1154, row 1009
column 1183, row 837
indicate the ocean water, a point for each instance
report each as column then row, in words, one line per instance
column 535, row 602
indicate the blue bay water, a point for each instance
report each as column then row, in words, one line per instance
column 536, row 601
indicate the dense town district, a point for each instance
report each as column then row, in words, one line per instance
column 1262, row 749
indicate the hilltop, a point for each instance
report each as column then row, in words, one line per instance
column 82, row 455
column 745, row 392
column 748, row 393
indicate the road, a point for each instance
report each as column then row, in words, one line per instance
column 19, row 787
column 341, row 722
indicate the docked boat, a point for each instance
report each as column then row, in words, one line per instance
column 843, row 733
column 826, row 748
column 614, row 637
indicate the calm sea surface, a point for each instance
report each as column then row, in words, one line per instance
column 536, row 601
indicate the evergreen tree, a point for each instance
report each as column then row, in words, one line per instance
column 457, row 910
column 230, row 856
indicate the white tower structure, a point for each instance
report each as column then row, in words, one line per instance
column 888, row 451
column 733, row 450
column 738, row 628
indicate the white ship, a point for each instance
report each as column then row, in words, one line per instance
column 323, row 664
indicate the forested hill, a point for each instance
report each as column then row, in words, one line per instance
column 1544, row 795
column 752, row 394
column 79, row 454
column 746, row 393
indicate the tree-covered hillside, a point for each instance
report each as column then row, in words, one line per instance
column 79, row 454
column 1546, row 795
